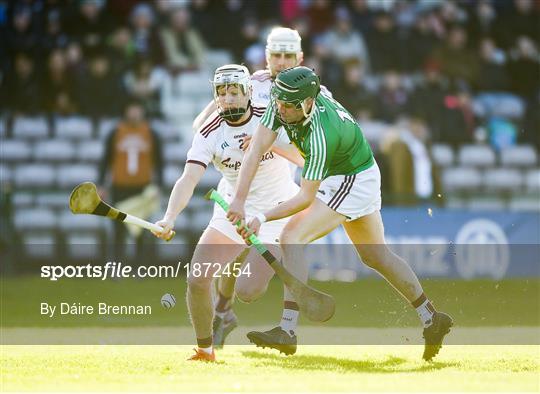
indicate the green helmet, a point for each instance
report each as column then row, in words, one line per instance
column 296, row 84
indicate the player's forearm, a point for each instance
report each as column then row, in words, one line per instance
column 180, row 196
column 248, row 169
column 290, row 154
column 261, row 143
column 288, row 208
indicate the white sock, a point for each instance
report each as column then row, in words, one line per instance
column 289, row 320
column 222, row 314
column 207, row 350
column 425, row 313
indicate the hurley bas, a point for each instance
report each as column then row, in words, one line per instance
column 76, row 308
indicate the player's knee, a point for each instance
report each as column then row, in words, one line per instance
column 290, row 237
column 249, row 294
column 199, row 284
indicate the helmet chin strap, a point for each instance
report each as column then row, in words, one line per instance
column 233, row 115
column 307, row 115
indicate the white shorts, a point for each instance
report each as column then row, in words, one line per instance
column 355, row 195
column 268, row 234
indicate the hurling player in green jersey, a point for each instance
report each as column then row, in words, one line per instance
column 340, row 185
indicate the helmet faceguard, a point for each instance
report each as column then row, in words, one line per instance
column 294, row 86
column 232, row 75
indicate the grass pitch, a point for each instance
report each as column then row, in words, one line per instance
column 485, row 312
column 243, row 368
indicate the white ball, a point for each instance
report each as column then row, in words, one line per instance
column 168, row 301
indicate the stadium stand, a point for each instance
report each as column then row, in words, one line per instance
column 45, row 154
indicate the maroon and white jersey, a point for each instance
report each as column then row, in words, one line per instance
column 221, row 143
column 261, row 82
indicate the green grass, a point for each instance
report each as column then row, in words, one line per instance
column 484, row 310
column 242, row 368
column 364, row 303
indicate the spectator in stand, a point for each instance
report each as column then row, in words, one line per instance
column 22, row 37
column 184, row 47
column 290, row 10
column 458, row 62
column 413, row 178
column 204, row 16
column 343, row 42
column 320, row 14
column 327, row 66
column 523, row 69
column 392, row 100
column 361, row 15
column 121, row 50
column 520, row 20
column 144, row 35
column 493, row 73
column 353, row 94
column 22, row 91
column 384, row 45
column 99, row 90
column 428, row 99
column 459, row 123
column 76, row 64
column 144, row 84
column 54, row 35
column 58, row 88
column 250, row 37
column 421, row 40
column 89, row 26
column 481, row 21
column 133, row 157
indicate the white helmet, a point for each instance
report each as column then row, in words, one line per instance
column 283, row 39
column 232, row 74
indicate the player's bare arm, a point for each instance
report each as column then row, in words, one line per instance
column 303, row 199
column 180, row 196
column 203, row 115
column 262, row 142
column 289, row 151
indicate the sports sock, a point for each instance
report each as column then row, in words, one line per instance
column 425, row 310
column 289, row 319
column 205, row 344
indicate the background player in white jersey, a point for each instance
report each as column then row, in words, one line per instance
column 219, row 140
column 283, row 50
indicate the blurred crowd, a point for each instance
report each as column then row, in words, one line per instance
column 431, row 56
column 454, row 72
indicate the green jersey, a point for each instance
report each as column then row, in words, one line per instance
column 331, row 143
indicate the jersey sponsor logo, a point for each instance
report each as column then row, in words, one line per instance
column 235, row 165
column 224, row 145
column 230, row 164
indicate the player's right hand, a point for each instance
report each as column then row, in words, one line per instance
column 167, row 228
column 236, row 212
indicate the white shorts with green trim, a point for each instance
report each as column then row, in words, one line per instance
column 355, row 195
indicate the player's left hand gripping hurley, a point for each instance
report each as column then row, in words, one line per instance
column 84, row 199
column 314, row 304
